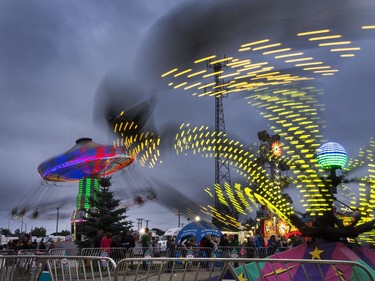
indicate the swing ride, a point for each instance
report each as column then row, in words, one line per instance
column 276, row 82
column 85, row 160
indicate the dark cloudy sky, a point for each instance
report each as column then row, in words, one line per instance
column 54, row 55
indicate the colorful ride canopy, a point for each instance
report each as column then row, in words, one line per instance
column 198, row 230
column 85, row 159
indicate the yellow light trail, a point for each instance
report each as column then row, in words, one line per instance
column 254, row 43
column 228, row 75
column 347, row 55
column 244, row 64
column 345, row 49
column 213, row 74
column 277, row 51
column 255, row 65
column 205, row 59
column 220, row 61
column 308, row 63
column 192, row 86
column 169, row 72
column 334, row 43
column 266, row 46
column 313, row 32
column 289, row 55
column 317, row 68
column 180, row 85
column 238, row 62
column 207, row 85
column 183, row 72
column 267, row 74
column 326, row 71
column 301, row 59
column 197, row 73
column 325, row 37
column 244, row 49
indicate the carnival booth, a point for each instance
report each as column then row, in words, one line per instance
column 198, row 230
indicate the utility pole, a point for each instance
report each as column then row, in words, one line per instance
column 21, row 224
column 139, row 223
column 57, row 219
column 147, row 223
column 179, row 218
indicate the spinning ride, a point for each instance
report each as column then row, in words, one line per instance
column 85, row 162
column 85, row 159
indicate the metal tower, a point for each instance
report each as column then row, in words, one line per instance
column 222, row 171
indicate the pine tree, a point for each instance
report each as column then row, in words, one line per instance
column 105, row 214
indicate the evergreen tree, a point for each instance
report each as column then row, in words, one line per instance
column 39, row 231
column 61, row 233
column 105, row 214
column 6, row 232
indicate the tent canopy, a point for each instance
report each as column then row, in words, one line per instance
column 198, row 230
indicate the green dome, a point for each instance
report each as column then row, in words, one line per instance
column 332, row 155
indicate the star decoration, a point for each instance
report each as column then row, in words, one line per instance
column 316, row 254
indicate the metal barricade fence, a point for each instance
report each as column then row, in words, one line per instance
column 26, row 252
column 176, row 252
column 204, row 269
column 7, row 252
column 34, row 267
column 116, row 254
column 193, row 252
column 15, row 267
column 142, row 251
column 246, row 252
column 64, row 252
column 138, row 252
column 241, row 252
column 81, row 268
column 262, row 252
column 230, row 252
column 182, row 252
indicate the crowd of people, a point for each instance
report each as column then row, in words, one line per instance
column 149, row 244
column 232, row 240
column 107, row 241
column 251, row 246
column 274, row 242
column 27, row 243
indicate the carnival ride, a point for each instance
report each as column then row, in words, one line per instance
column 277, row 78
column 130, row 124
column 281, row 80
column 293, row 115
column 86, row 162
